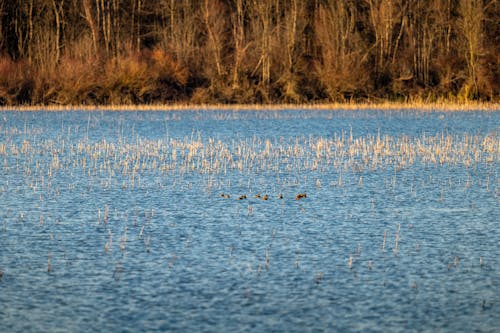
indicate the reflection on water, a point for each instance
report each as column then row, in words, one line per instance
column 190, row 221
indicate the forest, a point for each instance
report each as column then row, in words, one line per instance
column 121, row 52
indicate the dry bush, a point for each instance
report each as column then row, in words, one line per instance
column 8, row 70
column 74, row 81
column 169, row 69
column 126, row 80
column 351, row 80
column 8, row 74
column 488, row 76
column 75, row 78
column 143, row 77
column 16, row 82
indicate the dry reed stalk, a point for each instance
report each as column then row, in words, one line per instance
column 319, row 277
column 397, row 240
column 444, row 106
column 49, row 264
column 385, row 239
column 267, row 259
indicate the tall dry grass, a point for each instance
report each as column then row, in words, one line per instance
column 85, row 79
column 16, row 84
column 154, row 79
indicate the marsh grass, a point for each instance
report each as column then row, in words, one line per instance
column 126, row 165
column 411, row 105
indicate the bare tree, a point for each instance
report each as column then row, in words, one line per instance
column 471, row 12
column 214, row 26
column 57, row 7
column 342, row 56
column 179, row 32
column 262, row 30
column 89, row 16
column 238, row 35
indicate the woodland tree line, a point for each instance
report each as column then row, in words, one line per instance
column 247, row 51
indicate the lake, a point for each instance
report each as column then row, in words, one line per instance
column 250, row 221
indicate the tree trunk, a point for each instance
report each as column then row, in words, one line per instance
column 58, row 30
column 92, row 24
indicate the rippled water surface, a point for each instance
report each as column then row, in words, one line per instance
column 158, row 221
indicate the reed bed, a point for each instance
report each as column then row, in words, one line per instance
column 211, row 156
column 293, row 167
column 386, row 105
column 124, row 163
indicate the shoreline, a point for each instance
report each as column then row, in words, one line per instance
column 442, row 106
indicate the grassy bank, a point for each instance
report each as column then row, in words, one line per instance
column 442, row 106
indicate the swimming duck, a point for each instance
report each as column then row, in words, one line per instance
column 300, row 196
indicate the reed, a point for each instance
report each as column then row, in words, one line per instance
column 123, row 241
column 267, row 259
column 127, row 165
column 385, row 239
column 318, row 277
column 412, row 105
column 49, row 263
column 396, row 245
column 147, row 243
column 108, row 246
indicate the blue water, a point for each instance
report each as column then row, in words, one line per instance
column 114, row 221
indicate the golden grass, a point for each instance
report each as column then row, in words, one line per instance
column 420, row 105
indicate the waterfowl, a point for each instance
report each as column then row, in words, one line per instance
column 257, row 195
column 265, row 197
column 242, row 197
column 300, row 196
column 224, row 195
column 280, row 196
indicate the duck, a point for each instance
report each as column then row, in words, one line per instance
column 242, row 197
column 300, row 196
column 265, row 197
